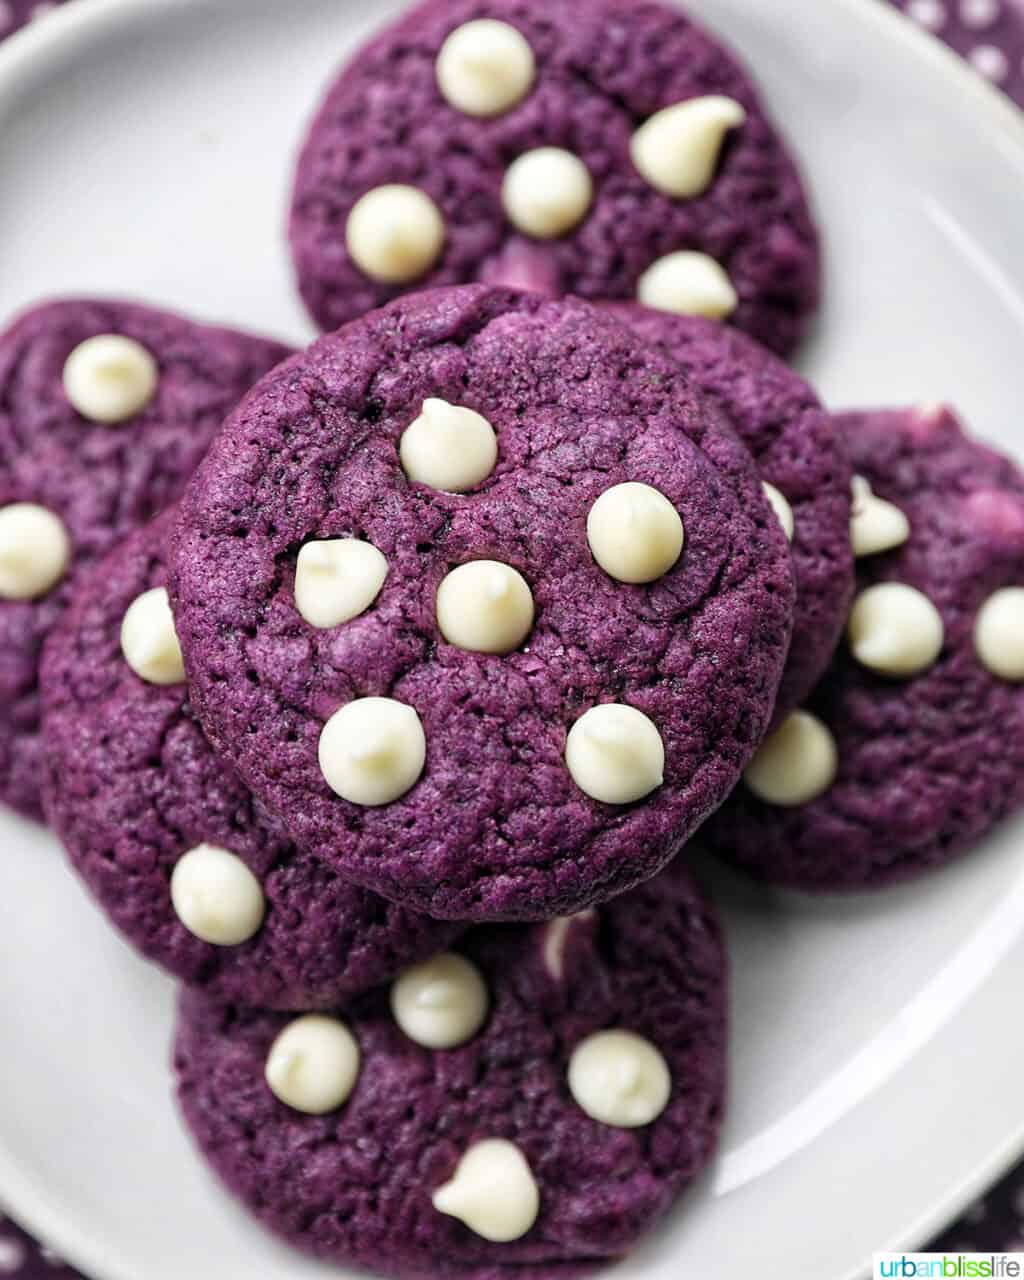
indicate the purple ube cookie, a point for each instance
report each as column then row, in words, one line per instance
column 99, row 480
column 798, row 451
column 483, row 816
column 929, row 755
column 715, row 179
column 358, row 1184
column 132, row 787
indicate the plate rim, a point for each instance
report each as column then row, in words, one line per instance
column 20, row 53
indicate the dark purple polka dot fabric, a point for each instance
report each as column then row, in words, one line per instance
column 14, row 14
column 990, row 35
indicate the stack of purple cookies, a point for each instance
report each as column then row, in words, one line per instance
column 375, row 691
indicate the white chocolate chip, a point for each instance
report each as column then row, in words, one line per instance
column 34, row 551
column 313, row 1064
column 689, row 284
column 372, row 750
column 148, row 639
column 448, row 447
column 795, row 764
column 216, row 896
column 485, row 606
column 620, row 1079
column 783, row 511
column 547, row 192
column 556, row 936
column 337, row 580
column 875, row 525
column 615, row 754
column 635, row 533
column 999, row 633
column 894, row 629
column 485, row 67
column 442, row 1003
column 677, row 149
column 395, row 233
column 110, row 378
column 492, row 1191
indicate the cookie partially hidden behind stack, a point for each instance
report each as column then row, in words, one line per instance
column 609, row 149
column 535, row 1101
column 193, row 870
column 105, row 410
column 912, row 747
column 801, row 454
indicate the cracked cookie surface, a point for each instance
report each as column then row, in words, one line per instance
column 799, row 450
column 100, row 480
column 356, row 1185
column 132, row 785
column 495, row 827
column 600, row 73
column 926, row 763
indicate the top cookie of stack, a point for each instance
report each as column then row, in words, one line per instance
column 484, row 601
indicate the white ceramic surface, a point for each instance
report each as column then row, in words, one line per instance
column 145, row 148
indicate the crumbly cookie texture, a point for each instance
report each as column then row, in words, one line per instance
column 551, row 1136
column 460, row 800
column 98, row 476
column 922, row 705
column 193, row 870
column 799, row 451
column 612, row 151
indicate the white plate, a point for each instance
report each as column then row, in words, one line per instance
column 145, row 147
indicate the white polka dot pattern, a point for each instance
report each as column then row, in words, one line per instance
column 988, row 33
column 930, row 14
column 12, row 1255
column 990, row 61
